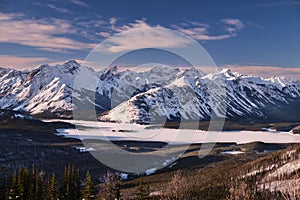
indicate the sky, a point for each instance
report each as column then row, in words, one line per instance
column 258, row 37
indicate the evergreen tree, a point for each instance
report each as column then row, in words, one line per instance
column 23, row 183
column 51, row 188
column 68, row 185
column 77, row 185
column 33, row 188
column 13, row 192
column 63, row 188
column 88, row 189
column 40, row 194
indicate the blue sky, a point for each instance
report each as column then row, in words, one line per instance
column 235, row 33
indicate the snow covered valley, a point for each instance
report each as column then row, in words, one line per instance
column 134, row 132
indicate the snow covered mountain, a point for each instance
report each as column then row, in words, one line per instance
column 187, row 97
column 148, row 96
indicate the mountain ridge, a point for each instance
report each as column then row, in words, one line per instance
column 162, row 92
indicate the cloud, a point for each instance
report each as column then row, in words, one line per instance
column 21, row 63
column 233, row 25
column 104, row 34
column 139, row 34
column 194, row 29
column 236, row 23
column 40, row 33
column 136, row 24
column 92, row 23
column 267, row 71
column 200, row 31
column 110, row 27
column 113, row 20
column 15, row 62
column 79, row 3
column 255, row 25
column 143, row 36
column 62, row 10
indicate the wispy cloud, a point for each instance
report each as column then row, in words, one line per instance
column 197, row 30
column 255, row 25
column 39, row 33
column 140, row 34
column 194, row 29
column 144, row 38
column 15, row 62
column 238, row 24
column 79, row 3
column 233, row 25
column 200, row 31
column 111, row 26
column 141, row 23
column 21, row 63
column 113, row 20
column 104, row 34
column 59, row 9
column 95, row 23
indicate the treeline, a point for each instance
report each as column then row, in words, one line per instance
column 28, row 184
column 34, row 184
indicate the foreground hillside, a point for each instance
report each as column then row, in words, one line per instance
column 272, row 176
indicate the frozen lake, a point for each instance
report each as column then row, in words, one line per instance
column 118, row 132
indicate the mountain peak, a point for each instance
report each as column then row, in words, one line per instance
column 224, row 74
column 280, row 81
column 227, row 72
column 111, row 69
column 71, row 62
column 193, row 72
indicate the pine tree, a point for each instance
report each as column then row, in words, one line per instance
column 23, row 183
column 68, row 179
column 33, row 188
column 88, row 189
column 63, row 188
column 72, row 184
column 77, row 185
column 6, row 188
column 20, row 184
column 51, row 188
column 40, row 193
column 13, row 192
column 67, row 188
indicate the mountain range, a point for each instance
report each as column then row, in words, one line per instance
column 153, row 95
